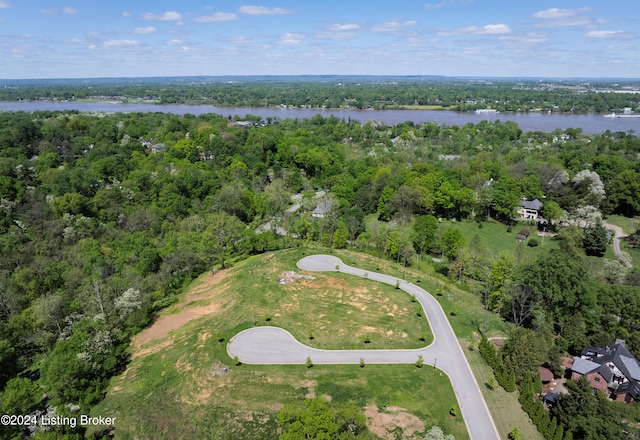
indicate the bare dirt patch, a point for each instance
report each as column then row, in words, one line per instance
column 291, row 277
column 208, row 289
column 385, row 424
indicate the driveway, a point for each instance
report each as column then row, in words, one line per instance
column 618, row 235
column 272, row 345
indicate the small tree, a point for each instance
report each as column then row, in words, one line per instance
column 361, row 362
column 309, row 363
column 420, row 361
column 453, row 410
column 436, row 433
column 236, row 361
column 510, row 383
column 311, row 337
column 397, row 284
column 537, row 384
column 515, row 434
column 491, row 382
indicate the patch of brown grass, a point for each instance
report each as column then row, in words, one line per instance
column 384, row 424
column 206, row 294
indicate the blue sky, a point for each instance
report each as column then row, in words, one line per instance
column 108, row 38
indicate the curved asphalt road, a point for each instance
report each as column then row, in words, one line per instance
column 618, row 235
column 273, row 345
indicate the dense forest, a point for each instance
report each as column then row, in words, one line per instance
column 105, row 218
column 459, row 94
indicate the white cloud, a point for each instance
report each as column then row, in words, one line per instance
column 292, row 39
column 70, row 11
column 335, row 35
column 167, row 16
column 344, row 27
column 216, row 17
column 609, row 34
column 145, row 30
column 175, row 42
column 126, row 14
column 392, row 26
column 47, row 11
column 238, row 39
column 495, row 29
column 120, row 44
column 263, row 10
column 490, row 29
column 555, row 13
column 4, row 4
column 556, row 17
column 529, row 38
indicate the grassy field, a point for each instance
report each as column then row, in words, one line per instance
column 495, row 238
column 180, row 383
column 467, row 324
column 505, row 408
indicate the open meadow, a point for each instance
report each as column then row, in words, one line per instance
column 180, row 382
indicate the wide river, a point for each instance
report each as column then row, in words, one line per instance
column 589, row 123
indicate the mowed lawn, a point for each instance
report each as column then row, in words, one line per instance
column 495, row 238
column 467, row 322
column 182, row 384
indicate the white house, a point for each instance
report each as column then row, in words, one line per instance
column 529, row 209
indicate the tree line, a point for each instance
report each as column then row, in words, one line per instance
column 337, row 92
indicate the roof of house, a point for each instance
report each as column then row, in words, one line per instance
column 322, row 208
column 612, row 360
column 545, row 374
column 584, row 366
column 531, row 204
column 618, row 355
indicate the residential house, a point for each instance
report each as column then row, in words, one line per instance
column 322, row 209
column 612, row 370
column 530, row 209
column 157, row 148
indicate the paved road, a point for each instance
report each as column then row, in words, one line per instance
column 272, row 345
column 618, row 235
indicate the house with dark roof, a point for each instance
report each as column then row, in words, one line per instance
column 529, row 209
column 322, row 209
column 612, row 370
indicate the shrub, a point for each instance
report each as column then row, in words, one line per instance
column 532, row 242
column 420, row 361
column 309, row 362
column 515, row 434
column 509, row 229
